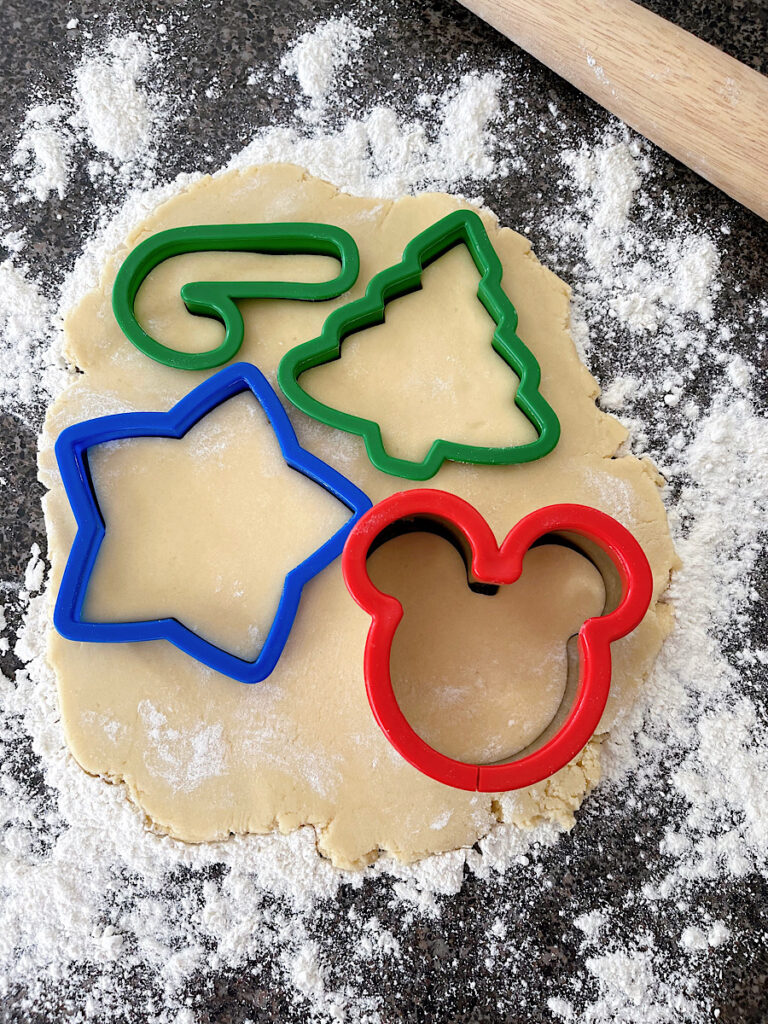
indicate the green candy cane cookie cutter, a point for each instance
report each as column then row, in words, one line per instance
column 462, row 226
column 217, row 298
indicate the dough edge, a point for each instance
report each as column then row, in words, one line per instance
column 555, row 800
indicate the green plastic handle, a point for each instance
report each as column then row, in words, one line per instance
column 218, row 298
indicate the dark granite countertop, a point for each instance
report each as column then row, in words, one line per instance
column 438, row 978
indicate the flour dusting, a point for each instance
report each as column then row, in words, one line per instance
column 93, row 906
column 42, row 154
column 317, row 57
column 113, row 108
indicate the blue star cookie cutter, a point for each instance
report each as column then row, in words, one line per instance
column 72, row 455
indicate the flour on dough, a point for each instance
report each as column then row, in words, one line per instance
column 205, row 756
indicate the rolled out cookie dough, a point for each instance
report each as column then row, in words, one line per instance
column 205, row 756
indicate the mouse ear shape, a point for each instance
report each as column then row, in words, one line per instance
column 485, row 672
column 461, row 227
column 629, row 589
column 218, row 298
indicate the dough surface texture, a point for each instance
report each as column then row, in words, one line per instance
column 205, row 756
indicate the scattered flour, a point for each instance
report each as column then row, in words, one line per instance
column 112, row 107
column 317, row 57
column 591, row 924
column 90, row 901
column 31, row 368
column 108, row 108
column 185, row 759
column 43, row 153
column 697, row 938
column 383, row 155
column 35, row 571
column 648, row 282
column 634, row 986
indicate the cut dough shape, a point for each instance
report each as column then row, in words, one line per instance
column 481, row 676
column 205, row 756
column 164, row 500
column 465, row 393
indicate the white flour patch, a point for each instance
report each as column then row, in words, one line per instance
column 109, row 109
column 113, row 109
column 31, row 369
column 317, row 58
column 42, row 154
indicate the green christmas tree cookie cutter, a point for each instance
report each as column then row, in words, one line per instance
column 463, row 226
column 217, row 298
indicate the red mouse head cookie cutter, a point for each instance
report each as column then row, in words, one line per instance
column 629, row 588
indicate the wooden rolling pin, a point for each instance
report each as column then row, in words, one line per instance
column 702, row 106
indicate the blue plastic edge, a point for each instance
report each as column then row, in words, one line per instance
column 71, row 454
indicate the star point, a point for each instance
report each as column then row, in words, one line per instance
column 72, row 455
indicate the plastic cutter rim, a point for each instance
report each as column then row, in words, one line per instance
column 71, row 452
column 499, row 564
column 461, row 226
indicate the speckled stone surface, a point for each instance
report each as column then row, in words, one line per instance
column 607, row 855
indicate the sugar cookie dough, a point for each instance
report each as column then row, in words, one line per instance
column 205, row 756
column 464, row 669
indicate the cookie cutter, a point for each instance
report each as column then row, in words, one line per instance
column 217, row 298
column 72, row 455
column 461, row 226
column 609, row 545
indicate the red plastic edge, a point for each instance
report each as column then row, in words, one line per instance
column 492, row 563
